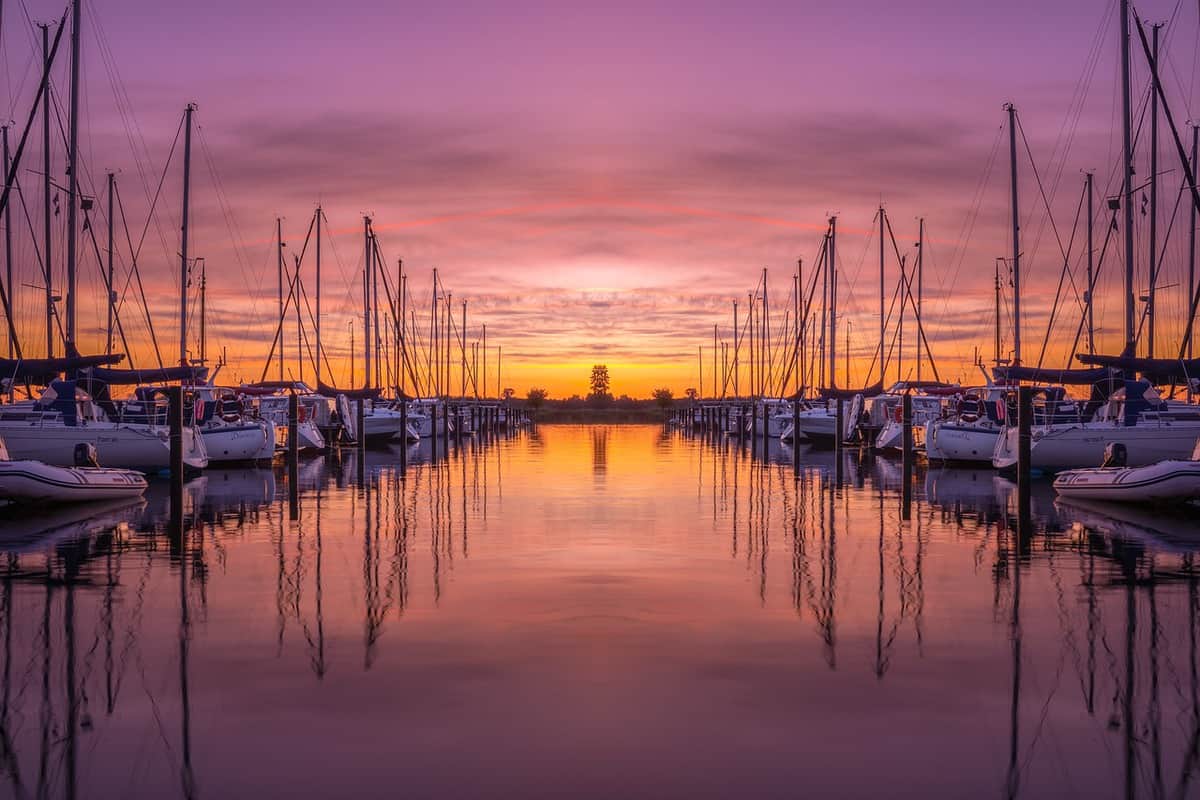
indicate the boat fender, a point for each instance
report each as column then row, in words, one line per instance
column 85, row 455
column 1115, row 455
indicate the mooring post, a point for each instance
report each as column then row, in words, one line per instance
column 433, row 425
column 1024, row 440
column 839, row 424
column 293, row 456
column 907, row 455
column 403, row 438
column 796, row 439
column 360, row 414
column 766, row 429
column 175, row 425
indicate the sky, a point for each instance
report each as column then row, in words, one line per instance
column 599, row 182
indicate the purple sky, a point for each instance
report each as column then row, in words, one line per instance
column 600, row 183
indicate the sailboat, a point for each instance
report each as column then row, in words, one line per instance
column 1131, row 413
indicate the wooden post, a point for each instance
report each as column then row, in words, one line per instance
column 293, row 454
column 796, row 439
column 907, row 455
column 839, row 423
column 404, row 438
column 175, row 423
column 1024, row 438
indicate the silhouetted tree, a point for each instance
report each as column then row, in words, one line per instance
column 599, row 383
column 536, row 397
column 664, row 397
column 692, row 394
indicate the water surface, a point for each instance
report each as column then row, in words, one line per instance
column 597, row 612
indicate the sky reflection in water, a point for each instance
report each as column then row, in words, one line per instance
column 600, row 611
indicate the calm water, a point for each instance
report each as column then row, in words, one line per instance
column 599, row 611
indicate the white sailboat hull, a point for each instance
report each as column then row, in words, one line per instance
column 243, row 441
column 144, row 448
column 1059, row 447
column 947, row 440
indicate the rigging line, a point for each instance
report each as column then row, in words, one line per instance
column 913, row 305
column 1108, row 236
column 104, row 278
column 158, row 191
column 1041, row 189
column 1061, row 279
column 135, row 272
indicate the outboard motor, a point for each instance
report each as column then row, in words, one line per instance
column 1115, row 455
column 85, row 455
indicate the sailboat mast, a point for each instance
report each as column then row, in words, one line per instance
column 1151, row 311
column 183, row 250
column 750, row 321
column 320, row 353
column 435, row 370
column 484, row 348
column 112, row 294
column 8, row 269
column 203, row 312
column 299, row 321
column 403, row 333
column 72, row 179
column 920, row 288
column 1091, row 277
column 1191, row 238
column 882, row 321
column 1016, row 232
column 765, row 368
column 47, row 259
column 736, row 366
column 462, row 344
column 367, row 256
column 796, row 322
column 832, row 267
column 714, row 367
column 279, row 282
column 1127, row 170
column 996, row 334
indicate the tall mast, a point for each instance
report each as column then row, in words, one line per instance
column 1127, row 170
column 499, row 356
column 750, row 324
column 1016, row 233
column 1191, row 238
column 483, row 347
column 764, row 370
column 462, row 341
column 367, row 301
column 832, row 266
column 279, row 276
column 8, row 268
column 714, row 367
column 1151, row 311
column 882, row 321
column 403, row 334
column 996, row 335
column 203, row 314
column 320, row 215
column 374, row 273
column 736, row 348
column 802, row 343
column 183, row 250
column 47, row 259
column 72, row 180
column 920, row 288
column 1091, row 279
column 796, row 322
column 112, row 294
column 299, row 322
column 435, row 368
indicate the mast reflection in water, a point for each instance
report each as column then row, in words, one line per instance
column 598, row 611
